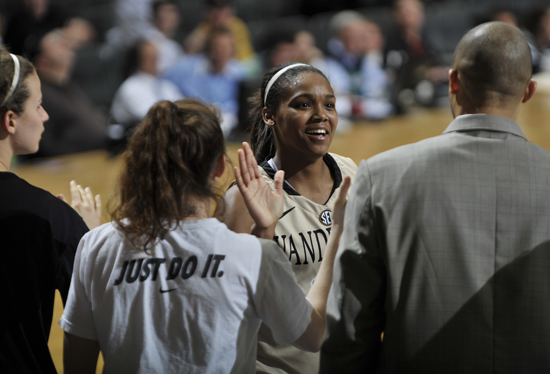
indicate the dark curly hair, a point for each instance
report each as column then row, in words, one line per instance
column 262, row 139
column 16, row 102
column 170, row 159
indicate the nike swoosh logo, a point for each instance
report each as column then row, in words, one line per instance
column 288, row 211
column 164, row 291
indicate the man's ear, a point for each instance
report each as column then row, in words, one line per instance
column 267, row 117
column 9, row 122
column 220, row 166
column 454, row 81
column 529, row 91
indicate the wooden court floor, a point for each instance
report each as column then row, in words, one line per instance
column 363, row 140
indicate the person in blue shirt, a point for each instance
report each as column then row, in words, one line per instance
column 214, row 76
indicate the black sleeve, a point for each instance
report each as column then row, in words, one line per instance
column 68, row 228
column 27, row 275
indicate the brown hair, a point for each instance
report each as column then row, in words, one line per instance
column 262, row 138
column 16, row 102
column 171, row 158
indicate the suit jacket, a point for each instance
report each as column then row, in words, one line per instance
column 446, row 250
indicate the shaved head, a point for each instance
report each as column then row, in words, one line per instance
column 494, row 65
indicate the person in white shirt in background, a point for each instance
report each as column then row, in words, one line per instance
column 214, row 76
column 155, row 21
column 354, row 67
column 166, row 20
column 143, row 88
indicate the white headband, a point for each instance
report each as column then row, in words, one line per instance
column 276, row 76
column 15, row 78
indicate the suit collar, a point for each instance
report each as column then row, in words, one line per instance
column 487, row 122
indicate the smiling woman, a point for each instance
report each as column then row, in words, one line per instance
column 294, row 121
column 306, row 120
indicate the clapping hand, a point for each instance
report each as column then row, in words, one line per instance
column 83, row 201
column 264, row 205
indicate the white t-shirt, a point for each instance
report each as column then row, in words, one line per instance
column 168, row 50
column 137, row 94
column 193, row 306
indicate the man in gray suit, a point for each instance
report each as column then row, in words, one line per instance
column 446, row 247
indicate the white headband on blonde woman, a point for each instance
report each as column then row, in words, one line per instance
column 276, row 76
column 15, row 78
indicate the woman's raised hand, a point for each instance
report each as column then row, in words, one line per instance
column 83, row 201
column 264, row 205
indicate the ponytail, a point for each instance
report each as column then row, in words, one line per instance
column 262, row 138
column 170, row 160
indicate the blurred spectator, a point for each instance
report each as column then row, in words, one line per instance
column 133, row 16
column 541, row 30
column 78, row 32
column 134, row 21
column 75, row 124
column 166, row 20
column 142, row 88
column 279, row 45
column 415, row 67
column 354, row 67
column 306, row 48
column 213, row 76
column 219, row 14
column 289, row 42
column 38, row 17
column 283, row 51
column 508, row 16
column 156, row 21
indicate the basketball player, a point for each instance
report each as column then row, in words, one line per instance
column 39, row 232
column 294, row 122
column 165, row 288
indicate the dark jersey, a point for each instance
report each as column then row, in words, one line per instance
column 39, row 236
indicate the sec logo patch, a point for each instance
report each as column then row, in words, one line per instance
column 326, row 218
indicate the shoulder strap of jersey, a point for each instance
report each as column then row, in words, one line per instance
column 269, row 171
column 335, row 172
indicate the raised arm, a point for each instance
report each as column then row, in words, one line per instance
column 252, row 206
column 312, row 338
